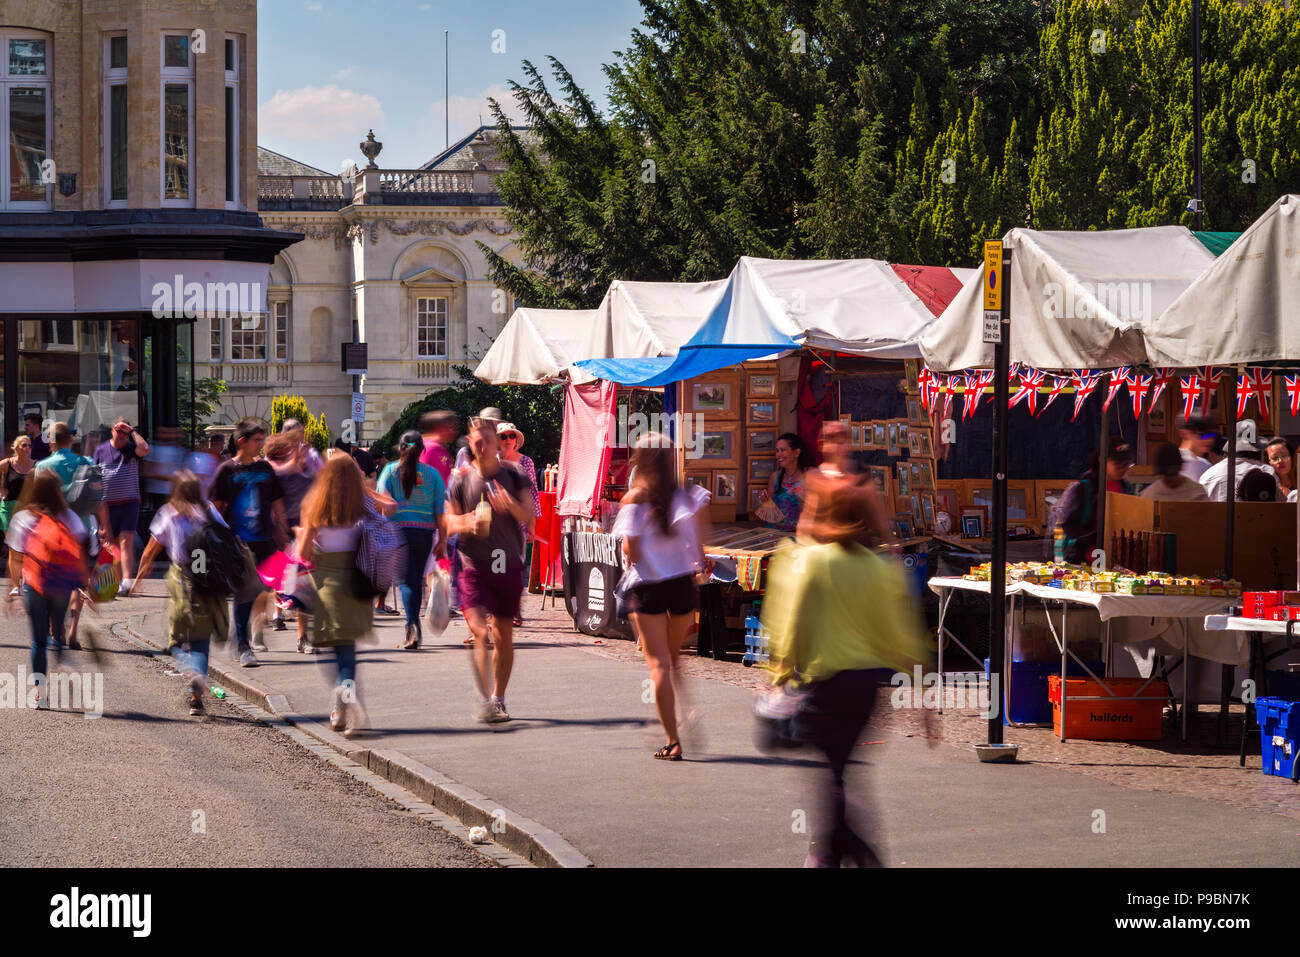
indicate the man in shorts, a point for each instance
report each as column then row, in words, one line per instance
column 248, row 494
column 492, row 569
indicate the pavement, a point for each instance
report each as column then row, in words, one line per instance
column 571, row 782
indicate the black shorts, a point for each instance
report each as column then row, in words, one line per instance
column 676, row 596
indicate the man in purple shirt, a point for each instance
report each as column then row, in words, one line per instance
column 439, row 430
column 119, row 457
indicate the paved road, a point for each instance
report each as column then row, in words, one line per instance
column 122, row 790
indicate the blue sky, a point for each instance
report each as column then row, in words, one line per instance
column 328, row 70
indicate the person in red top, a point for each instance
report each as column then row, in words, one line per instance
column 439, row 430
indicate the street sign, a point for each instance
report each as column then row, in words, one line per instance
column 358, row 407
column 992, row 326
column 993, row 275
column 355, row 358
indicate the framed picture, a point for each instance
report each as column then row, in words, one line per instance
column 756, row 494
column 904, row 443
column 973, row 521
column 880, row 479
column 927, row 512
column 855, row 436
column 1017, row 501
column 1048, row 494
column 761, row 442
column 712, row 396
column 914, row 475
column 868, row 435
column 702, row 479
column 761, row 469
column 914, row 442
column 879, row 435
column 912, row 369
column 725, row 485
column 924, row 475
column 904, row 479
column 761, row 412
column 714, row 445
column 916, row 507
column 893, row 439
column 1158, row 420
column 847, row 419
column 904, row 525
column 924, row 444
column 761, row 383
column 915, row 416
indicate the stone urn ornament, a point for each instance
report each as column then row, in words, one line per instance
column 370, row 148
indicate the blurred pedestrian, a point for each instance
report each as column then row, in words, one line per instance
column 288, row 457
column 1196, row 438
column 835, row 612
column 439, row 430
column 48, row 557
column 839, row 470
column 193, row 619
column 487, row 505
column 419, row 493
column 13, row 473
column 662, row 526
column 1249, row 457
column 311, row 460
column 327, row 541
column 1174, row 484
column 512, row 440
column 32, row 426
column 248, row 495
column 120, row 457
column 205, row 461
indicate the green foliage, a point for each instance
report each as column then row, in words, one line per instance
column 536, row 409
column 315, row 431
column 195, row 406
column 904, row 130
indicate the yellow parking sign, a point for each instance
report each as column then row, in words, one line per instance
column 993, row 274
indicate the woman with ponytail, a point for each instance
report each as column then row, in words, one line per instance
column 419, row 493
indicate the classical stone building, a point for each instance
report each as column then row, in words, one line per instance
column 128, row 202
column 389, row 259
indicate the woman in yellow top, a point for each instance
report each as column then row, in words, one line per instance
column 836, row 612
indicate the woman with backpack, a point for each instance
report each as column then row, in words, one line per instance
column 193, row 618
column 47, row 555
column 328, row 540
column 419, row 493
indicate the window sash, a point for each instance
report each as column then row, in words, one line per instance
column 27, row 141
column 248, row 339
column 281, row 312
column 232, row 144
column 177, row 152
column 214, row 339
column 431, row 328
column 117, row 142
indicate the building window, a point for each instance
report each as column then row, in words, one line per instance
column 26, row 102
column 280, row 312
column 214, row 339
column 431, row 328
column 232, row 123
column 177, row 121
column 115, row 135
column 248, row 339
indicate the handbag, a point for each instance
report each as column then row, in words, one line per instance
column 438, row 613
column 776, row 710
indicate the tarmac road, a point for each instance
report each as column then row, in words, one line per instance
column 124, row 789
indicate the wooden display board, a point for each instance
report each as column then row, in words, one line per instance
column 1264, row 547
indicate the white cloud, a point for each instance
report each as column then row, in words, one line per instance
column 343, row 74
column 318, row 114
column 469, row 112
column 314, row 7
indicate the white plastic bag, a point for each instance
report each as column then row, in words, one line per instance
column 438, row 613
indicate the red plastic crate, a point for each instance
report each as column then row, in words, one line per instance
column 1109, row 719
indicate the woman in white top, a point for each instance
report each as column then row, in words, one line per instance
column 663, row 527
column 1173, row 485
column 327, row 540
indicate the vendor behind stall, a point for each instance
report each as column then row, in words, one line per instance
column 1215, row 478
column 785, row 486
column 1076, row 512
column 1174, row 485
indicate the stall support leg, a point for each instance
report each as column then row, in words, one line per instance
column 1225, row 692
column 1256, row 649
column 1065, row 651
column 944, row 599
column 1187, row 666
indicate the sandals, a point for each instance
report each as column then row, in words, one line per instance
column 666, row 752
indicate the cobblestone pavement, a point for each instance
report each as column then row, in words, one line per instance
column 1200, row 768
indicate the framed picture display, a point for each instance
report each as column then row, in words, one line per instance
column 904, row 479
column 924, row 444
column 761, row 384
column 915, row 416
column 714, row 446
column 879, row 475
column 974, row 519
column 879, row 435
column 916, row 508
column 756, row 494
column 760, row 412
column 927, row 512
column 855, row 436
column 914, row 442
column 893, row 439
column 761, row 442
column 702, row 479
column 914, row 475
column 761, row 469
column 913, row 372
column 725, row 485
column 903, row 442
column 903, row 525
column 868, row 434
column 924, row 475
column 714, row 395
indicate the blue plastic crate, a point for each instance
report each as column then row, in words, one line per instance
column 1028, row 703
column 756, row 648
column 1279, row 727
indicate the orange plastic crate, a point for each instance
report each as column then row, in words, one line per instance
column 1109, row 720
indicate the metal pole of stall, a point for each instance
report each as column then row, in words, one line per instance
column 998, row 520
column 1226, row 672
column 1196, row 112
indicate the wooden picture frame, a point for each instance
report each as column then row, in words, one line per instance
column 761, row 384
column 715, row 447
column 915, row 507
column 726, row 485
column 925, row 476
column 855, row 436
column 760, row 412
column 974, row 521
column 914, row 442
column 915, row 416
column 923, row 440
column 880, row 477
column 894, row 448
column 761, row 442
column 904, row 443
column 903, row 525
column 927, row 512
column 1158, row 420
column 761, row 469
column 879, row 435
column 948, row 499
column 714, row 396
column 703, row 479
column 912, row 371
column 904, row 479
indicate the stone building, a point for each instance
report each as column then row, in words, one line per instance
column 390, row 259
column 128, row 202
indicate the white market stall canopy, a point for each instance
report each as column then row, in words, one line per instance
column 770, row 306
column 1078, row 299
column 1246, row 307
column 635, row 320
